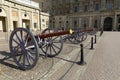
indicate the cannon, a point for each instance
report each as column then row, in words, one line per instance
column 25, row 47
column 76, row 37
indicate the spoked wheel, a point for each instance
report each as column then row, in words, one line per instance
column 73, row 38
column 24, row 48
column 52, row 45
column 84, row 36
column 93, row 32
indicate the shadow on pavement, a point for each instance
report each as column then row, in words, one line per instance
column 65, row 60
column 7, row 60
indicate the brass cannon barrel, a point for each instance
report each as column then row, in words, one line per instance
column 55, row 34
column 87, row 30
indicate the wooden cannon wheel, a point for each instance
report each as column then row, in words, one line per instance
column 24, row 52
column 52, row 45
column 74, row 38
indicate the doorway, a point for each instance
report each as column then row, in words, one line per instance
column 2, row 24
column 15, row 24
column 108, row 24
column 26, row 23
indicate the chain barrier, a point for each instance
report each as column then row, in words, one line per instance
column 81, row 59
column 91, row 43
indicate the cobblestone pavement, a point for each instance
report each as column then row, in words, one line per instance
column 61, row 67
column 105, row 64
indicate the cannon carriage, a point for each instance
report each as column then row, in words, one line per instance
column 25, row 47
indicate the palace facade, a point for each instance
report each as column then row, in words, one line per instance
column 21, row 13
column 103, row 14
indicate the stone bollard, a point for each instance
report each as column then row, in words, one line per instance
column 95, row 39
column 91, row 43
column 81, row 62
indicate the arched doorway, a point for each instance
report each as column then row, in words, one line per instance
column 108, row 24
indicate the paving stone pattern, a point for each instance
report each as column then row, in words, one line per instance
column 105, row 64
column 61, row 67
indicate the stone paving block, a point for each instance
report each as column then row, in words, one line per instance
column 50, row 68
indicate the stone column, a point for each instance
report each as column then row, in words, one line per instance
column 71, row 7
column 19, row 18
column 10, row 24
column 91, row 5
column 32, row 21
column 1, row 2
column 38, row 21
column 90, row 22
column 115, row 4
column 103, row 4
column 80, row 7
column 80, row 22
column 102, row 22
column 71, row 21
column 115, row 22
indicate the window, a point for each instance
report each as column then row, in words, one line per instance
column 35, row 25
column 60, row 23
column 67, row 10
column 42, row 4
column 50, row 21
column 109, row 5
column 75, row 23
column 76, row 0
column 67, row 1
column 60, row 2
column 85, row 8
column 84, row 24
column 53, row 18
column 53, row 12
column 53, row 24
column 95, row 24
column 119, row 20
column 97, row 7
column 43, row 20
column 54, row 2
column 48, row 3
column 60, row 11
column 75, row 9
column 67, row 24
